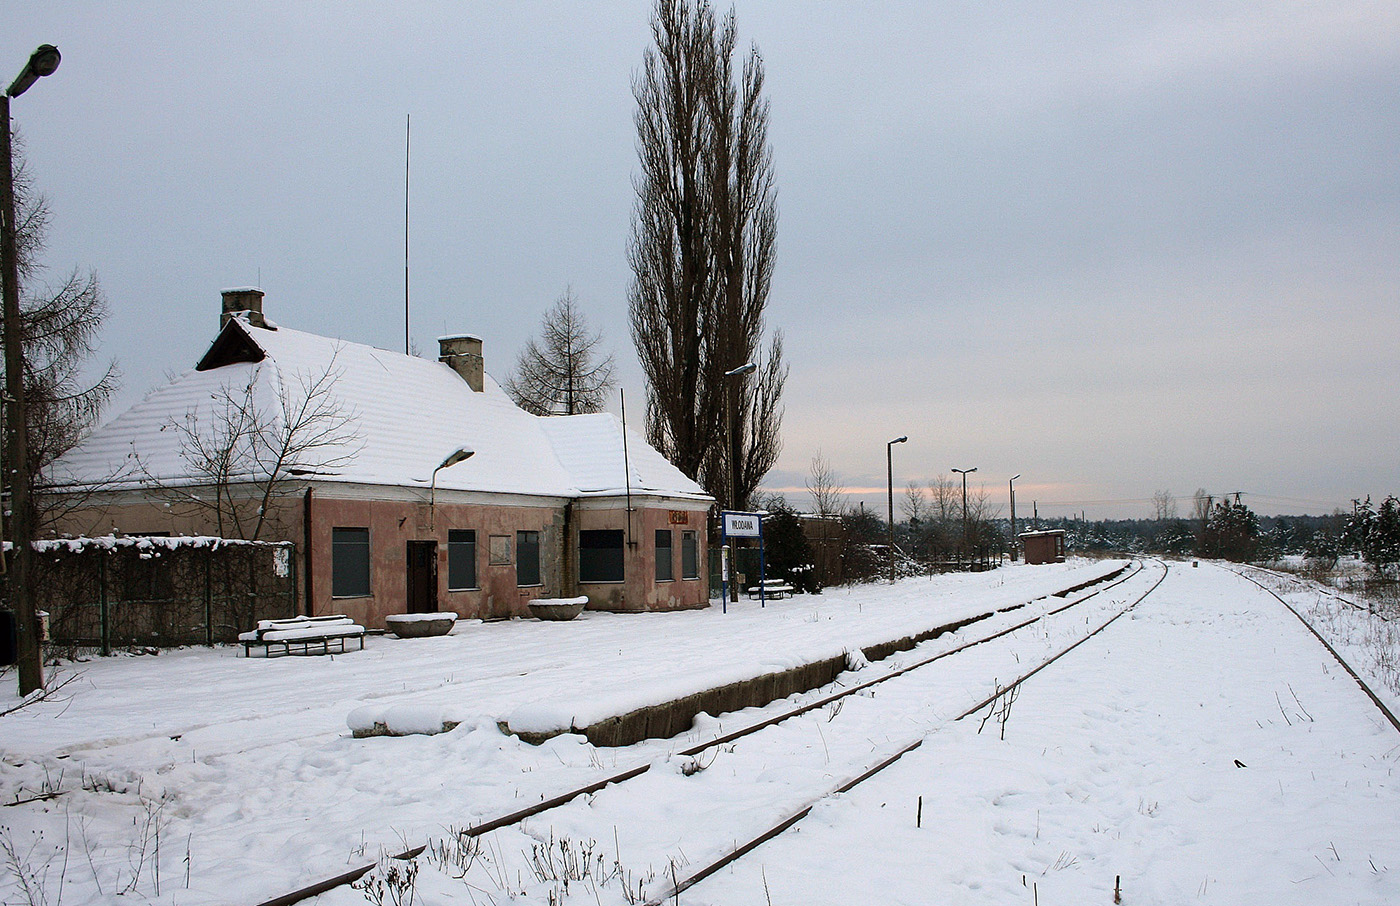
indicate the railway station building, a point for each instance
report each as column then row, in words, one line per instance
column 408, row 485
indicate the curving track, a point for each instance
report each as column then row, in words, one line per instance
column 1370, row 693
column 1207, row 749
column 962, row 674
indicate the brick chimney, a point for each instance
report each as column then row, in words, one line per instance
column 462, row 353
column 245, row 302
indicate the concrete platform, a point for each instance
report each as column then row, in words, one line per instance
column 663, row 720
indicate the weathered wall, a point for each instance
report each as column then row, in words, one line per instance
column 393, row 523
column 639, row 591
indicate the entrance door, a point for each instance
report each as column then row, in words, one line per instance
column 422, row 577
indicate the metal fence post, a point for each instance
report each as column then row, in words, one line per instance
column 292, row 590
column 102, row 602
column 209, row 596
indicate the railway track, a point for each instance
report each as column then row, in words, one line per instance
column 1075, row 597
column 693, row 877
column 1370, row 693
column 1314, row 587
column 680, row 885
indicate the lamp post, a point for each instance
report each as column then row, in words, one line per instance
column 732, row 378
column 1011, row 487
column 456, row 456
column 889, row 473
column 31, row 667
column 964, row 473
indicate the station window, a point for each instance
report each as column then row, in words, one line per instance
column 350, row 562
column 461, row 559
column 600, row 555
column 527, row 558
column 665, row 569
column 690, row 555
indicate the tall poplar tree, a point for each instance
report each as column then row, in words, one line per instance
column 702, row 253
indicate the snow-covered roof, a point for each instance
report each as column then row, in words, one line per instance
column 403, row 415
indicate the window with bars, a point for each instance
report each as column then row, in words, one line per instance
column 665, row 568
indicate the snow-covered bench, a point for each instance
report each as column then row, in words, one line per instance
column 772, row 588
column 310, row 635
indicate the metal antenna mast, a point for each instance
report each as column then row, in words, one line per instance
column 407, row 130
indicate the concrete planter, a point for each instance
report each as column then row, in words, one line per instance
column 420, row 625
column 557, row 608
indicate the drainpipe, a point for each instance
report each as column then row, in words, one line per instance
column 568, row 582
column 306, row 549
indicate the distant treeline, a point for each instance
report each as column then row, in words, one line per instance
column 1277, row 535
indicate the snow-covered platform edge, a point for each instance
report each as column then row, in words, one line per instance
column 662, row 711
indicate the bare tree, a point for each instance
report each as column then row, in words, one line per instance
column 1200, row 506
column 559, row 375
column 245, row 453
column 915, row 503
column 1163, row 506
column 702, row 253
column 825, row 488
column 982, row 514
column 945, row 500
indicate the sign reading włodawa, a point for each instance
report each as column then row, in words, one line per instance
column 742, row 525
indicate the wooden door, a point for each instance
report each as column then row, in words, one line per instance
column 422, row 577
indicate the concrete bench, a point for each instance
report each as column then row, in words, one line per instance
column 308, row 635
column 772, row 588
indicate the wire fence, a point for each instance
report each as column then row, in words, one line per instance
column 105, row 593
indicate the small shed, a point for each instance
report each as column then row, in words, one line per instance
column 1043, row 547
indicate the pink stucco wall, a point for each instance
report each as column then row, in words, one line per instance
column 640, row 591
column 394, row 523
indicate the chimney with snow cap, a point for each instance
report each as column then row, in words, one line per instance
column 462, row 353
column 245, row 303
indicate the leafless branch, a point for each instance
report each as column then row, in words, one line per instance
column 244, row 454
column 825, row 488
column 47, row 693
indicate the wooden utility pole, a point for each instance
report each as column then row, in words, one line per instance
column 17, row 465
column 21, row 521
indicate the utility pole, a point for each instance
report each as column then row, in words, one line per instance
column 21, row 580
column 964, row 473
column 889, row 470
column 1011, row 489
column 732, row 378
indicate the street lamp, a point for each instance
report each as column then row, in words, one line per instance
column 732, row 378
column 1011, row 487
column 31, row 668
column 733, row 432
column 456, row 456
column 964, row 473
column 889, row 472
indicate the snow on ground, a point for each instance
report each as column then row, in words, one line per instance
column 1206, row 749
column 1118, row 760
column 249, row 763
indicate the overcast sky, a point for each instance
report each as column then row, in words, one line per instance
column 1115, row 247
